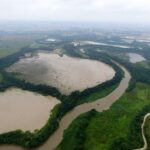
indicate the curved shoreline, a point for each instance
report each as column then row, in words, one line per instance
column 100, row 105
column 143, row 134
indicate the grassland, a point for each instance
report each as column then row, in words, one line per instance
column 10, row 44
column 107, row 127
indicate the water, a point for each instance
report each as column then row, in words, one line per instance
column 134, row 58
column 24, row 110
column 66, row 73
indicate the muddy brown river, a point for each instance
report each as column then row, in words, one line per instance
column 66, row 73
column 99, row 105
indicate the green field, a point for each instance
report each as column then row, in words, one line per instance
column 107, row 127
column 10, row 44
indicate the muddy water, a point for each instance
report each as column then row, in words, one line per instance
column 134, row 58
column 65, row 73
column 24, row 110
column 99, row 105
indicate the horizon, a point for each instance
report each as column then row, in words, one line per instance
column 114, row 11
column 34, row 25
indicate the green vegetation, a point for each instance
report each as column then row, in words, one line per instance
column 144, row 64
column 8, row 48
column 77, row 137
column 147, row 131
column 1, row 78
column 36, row 45
column 10, row 44
column 97, row 95
column 118, row 128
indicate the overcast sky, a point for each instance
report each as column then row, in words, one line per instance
column 76, row 10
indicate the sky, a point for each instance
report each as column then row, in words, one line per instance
column 132, row 11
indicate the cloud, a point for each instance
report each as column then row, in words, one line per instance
column 76, row 10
